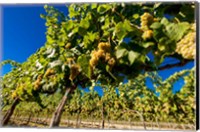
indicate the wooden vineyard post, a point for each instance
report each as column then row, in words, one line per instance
column 58, row 112
column 9, row 113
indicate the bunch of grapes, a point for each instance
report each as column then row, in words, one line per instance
column 14, row 95
column 193, row 27
column 104, row 46
column 74, row 71
column 37, row 83
column 102, row 53
column 147, row 34
column 146, row 20
column 20, row 89
column 186, row 46
column 49, row 72
column 70, row 61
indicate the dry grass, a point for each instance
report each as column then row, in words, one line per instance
column 43, row 123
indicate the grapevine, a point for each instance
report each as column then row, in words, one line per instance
column 105, row 44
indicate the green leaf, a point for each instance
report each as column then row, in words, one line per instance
column 72, row 11
column 94, row 5
column 55, row 63
column 156, row 25
column 147, row 44
column 52, row 55
column 61, row 43
column 38, row 65
column 120, row 31
column 176, row 31
column 164, row 21
column 127, row 26
column 103, row 8
column 121, row 52
column 83, row 61
column 161, row 47
column 85, row 23
column 132, row 56
column 159, row 59
column 89, row 39
column 68, row 25
column 106, row 23
column 50, row 39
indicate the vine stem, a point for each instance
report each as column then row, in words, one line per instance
column 9, row 113
column 59, row 110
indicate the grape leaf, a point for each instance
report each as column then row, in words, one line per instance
column 132, row 56
column 83, row 61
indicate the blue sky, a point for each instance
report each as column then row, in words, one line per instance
column 23, row 32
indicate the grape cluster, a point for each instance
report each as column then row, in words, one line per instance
column 102, row 53
column 147, row 34
column 14, row 95
column 74, row 71
column 146, row 20
column 37, row 83
column 193, row 27
column 49, row 72
column 186, row 46
column 70, row 61
column 20, row 89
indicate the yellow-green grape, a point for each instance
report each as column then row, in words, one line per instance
column 155, row 19
column 94, row 54
column 156, row 53
column 100, row 54
column 104, row 46
column 14, row 95
column 193, row 27
column 37, row 83
column 40, row 77
column 70, row 61
column 107, row 57
column 186, row 46
column 93, row 61
column 146, row 20
column 95, row 58
column 111, row 62
column 21, row 87
column 74, row 71
column 49, row 72
column 68, row 45
column 147, row 34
